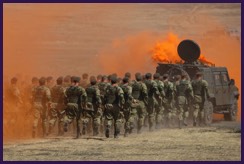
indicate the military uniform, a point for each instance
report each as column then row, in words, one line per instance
column 200, row 90
column 159, row 102
column 41, row 99
column 128, row 113
column 57, row 110
column 152, row 93
column 93, row 110
column 183, row 93
column 114, row 101
column 75, row 100
column 139, row 102
column 168, row 101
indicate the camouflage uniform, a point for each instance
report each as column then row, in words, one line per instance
column 168, row 101
column 75, row 100
column 114, row 101
column 57, row 110
column 152, row 90
column 200, row 90
column 159, row 100
column 183, row 93
column 102, row 87
column 128, row 113
column 139, row 102
column 41, row 100
column 93, row 110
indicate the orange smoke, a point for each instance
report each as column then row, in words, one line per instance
column 166, row 50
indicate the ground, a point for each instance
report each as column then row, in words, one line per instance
column 219, row 142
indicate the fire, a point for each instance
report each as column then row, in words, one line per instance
column 166, row 51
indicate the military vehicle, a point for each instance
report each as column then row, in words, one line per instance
column 223, row 92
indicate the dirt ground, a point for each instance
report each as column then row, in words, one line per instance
column 219, row 142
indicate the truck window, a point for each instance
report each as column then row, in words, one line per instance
column 217, row 79
column 224, row 78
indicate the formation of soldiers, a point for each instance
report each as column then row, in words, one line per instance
column 104, row 104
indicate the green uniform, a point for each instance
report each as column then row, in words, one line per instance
column 200, row 90
column 93, row 111
column 139, row 102
column 168, row 101
column 57, row 110
column 153, row 92
column 114, row 101
column 183, row 93
column 75, row 100
column 41, row 98
column 129, row 115
column 159, row 102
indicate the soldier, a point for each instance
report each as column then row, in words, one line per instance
column 128, row 114
column 114, row 101
column 93, row 110
column 183, row 94
column 153, row 92
column 84, row 82
column 102, row 87
column 168, row 99
column 56, row 110
column 139, row 101
column 13, row 94
column 99, row 78
column 41, row 98
column 67, row 82
column 200, row 90
column 159, row 100
column 50, row 82
column 75, row 100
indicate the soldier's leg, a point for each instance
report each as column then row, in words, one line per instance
column 44, row 117
column 68, row 118
column 61, row 116
column 97, row 122
column 37, row 116
column 132, row 118
column 159, row 116
column 181, row 112
column 141, row 112
column 118, row 117
column 151, row 115
column 53, row 115
column 85, row 121
column 186, row 114
column 201, row 115
column 108, row 122
column 195, row 113
column 78, row 122
column 127, row 122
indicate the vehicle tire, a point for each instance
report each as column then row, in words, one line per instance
column 208, row 112
column 232, row 115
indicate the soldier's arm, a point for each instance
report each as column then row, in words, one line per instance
column 144, row 93
column 121, row 96
column 205, row 87
column 98, row 97
column 155, row 88
column 48, row 95
column 83, row 96
column 162, row 93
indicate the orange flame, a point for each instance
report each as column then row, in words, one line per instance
column 166, row 51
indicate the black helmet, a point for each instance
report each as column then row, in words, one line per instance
column 60, row 80
column 156, row 76
column 42, row 81
column 148, row 76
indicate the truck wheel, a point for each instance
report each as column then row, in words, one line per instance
column 231, row 116
column 208, row 112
